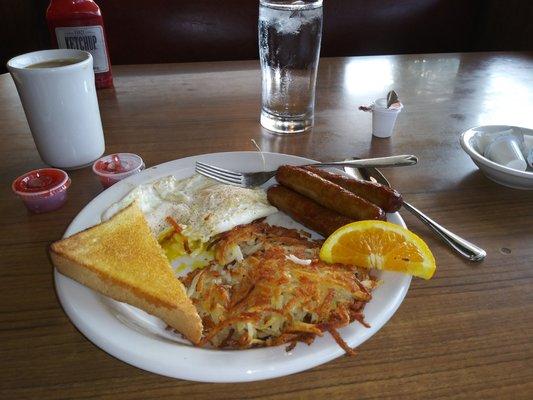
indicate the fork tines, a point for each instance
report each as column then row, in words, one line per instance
column 219, row 174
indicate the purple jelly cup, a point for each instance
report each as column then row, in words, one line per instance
column 42, row 190
column 115, row 167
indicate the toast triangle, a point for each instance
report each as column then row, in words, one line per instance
column 121, row 259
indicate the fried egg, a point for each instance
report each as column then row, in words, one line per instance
column 200, row 206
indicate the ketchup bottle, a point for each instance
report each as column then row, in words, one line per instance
column 78, row 24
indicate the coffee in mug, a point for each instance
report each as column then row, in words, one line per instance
column 60, row 62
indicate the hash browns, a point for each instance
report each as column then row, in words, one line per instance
column 267, row 287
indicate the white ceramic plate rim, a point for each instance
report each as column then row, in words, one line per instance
column 90, row 314
column 471, row 151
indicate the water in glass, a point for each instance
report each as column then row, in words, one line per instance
column 289, row 46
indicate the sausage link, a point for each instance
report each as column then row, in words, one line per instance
column 305, row 211
column 327, row 194
column 383, row 196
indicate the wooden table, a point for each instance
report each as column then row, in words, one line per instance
column 467, row 333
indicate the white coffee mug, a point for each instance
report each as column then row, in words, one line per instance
column 61, row 106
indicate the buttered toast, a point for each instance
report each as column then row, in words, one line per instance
column 121, row 259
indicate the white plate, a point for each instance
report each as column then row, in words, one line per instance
column 498, row 173
column 141, row 340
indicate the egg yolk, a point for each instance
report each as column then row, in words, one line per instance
column 175, row 245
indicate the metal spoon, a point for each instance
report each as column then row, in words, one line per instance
column 460, row 245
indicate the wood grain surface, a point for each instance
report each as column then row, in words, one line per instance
column 465, row 334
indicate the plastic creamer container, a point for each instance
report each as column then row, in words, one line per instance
column 383, row 118
column 42, row 190
column 115, row 167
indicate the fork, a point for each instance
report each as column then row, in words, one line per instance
column 253, row 179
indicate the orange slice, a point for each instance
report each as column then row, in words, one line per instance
column 381, row 245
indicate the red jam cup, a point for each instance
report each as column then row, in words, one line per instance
column 115, row 167
column 42, row 190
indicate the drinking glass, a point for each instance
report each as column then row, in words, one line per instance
column 289, row 47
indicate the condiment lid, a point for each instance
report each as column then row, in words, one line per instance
column 41, row 182
column 117, row 165
column 381, row 105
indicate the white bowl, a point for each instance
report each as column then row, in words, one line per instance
column 496, row 172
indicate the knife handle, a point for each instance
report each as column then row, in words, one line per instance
column 462, row 246
column 392, row 161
